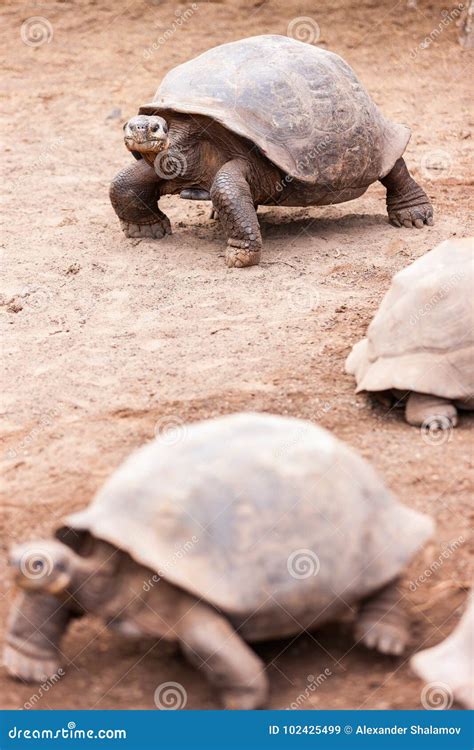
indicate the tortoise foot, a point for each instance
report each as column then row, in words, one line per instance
column 430, row 412
column 387, row 638
column 147, row 231
column 249, row 699
column 412, row 216
column 407, row 203
column 381, row 623
column 29, row 668
column 239, row 254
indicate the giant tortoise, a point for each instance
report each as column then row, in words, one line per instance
column 267, row 120
column 251, row 527
column 419, row 348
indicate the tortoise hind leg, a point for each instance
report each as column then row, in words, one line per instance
column 212, row 645
column 432, row 412
column 407, row 203
column 37, row 623
column 381, row 622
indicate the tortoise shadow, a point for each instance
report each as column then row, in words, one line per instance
column 284, row 226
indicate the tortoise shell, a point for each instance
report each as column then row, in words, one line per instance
column 301, row 105
column 422, row 336
column 257, row 512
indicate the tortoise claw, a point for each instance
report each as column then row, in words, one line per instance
column 239, row 254
column 147, row 231
column 415, row 216
column 29, row 668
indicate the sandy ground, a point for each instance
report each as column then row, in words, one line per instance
column 108, row 338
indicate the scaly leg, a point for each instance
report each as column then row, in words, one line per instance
column 212, row 645
column 37, row 623
column 407, row 203
column 381, row 623
column 232, row 199
column 134, row 194
column 432, row 411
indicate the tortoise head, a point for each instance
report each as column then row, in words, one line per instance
column 145, row 134
column 45, row 565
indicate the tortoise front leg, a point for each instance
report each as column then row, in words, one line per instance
column 407, row 203
column 134, row 194
column 37, row 623
column 212, row 645
column 381, row 622
column 232, row 200
column 430, row 411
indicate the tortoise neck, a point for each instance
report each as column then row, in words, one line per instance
column 94, row 575
column 204, row 146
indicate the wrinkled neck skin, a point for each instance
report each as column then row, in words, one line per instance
column 94, row 577
column 202, row 146
column 132, row 599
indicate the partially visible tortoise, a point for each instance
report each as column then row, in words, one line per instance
column 448, row 667
column 267, row 120
column 419, row 348
column 251, row 527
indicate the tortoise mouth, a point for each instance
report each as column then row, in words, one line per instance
column 155, row 145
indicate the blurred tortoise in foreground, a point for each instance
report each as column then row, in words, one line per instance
column 448, row 668
column 266, row 120
column 251, row 527
column 419, row 348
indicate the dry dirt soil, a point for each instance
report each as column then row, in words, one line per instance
column 108, row 339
